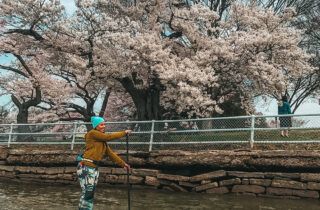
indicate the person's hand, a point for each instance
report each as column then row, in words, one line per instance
column 127, row 167
column 128, row 131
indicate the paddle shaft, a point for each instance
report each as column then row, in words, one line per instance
column 128, row 183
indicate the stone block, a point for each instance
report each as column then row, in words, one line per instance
column 218, row 190
column 40, row 170
column 173, row 177
column 227, row 182
column 111, row 179
column 187, row 184
column 248, row 189
column 205, row 182
column 282, row 175
column 66, row 177
column 23, row 169
column 245, row 181
column 118, row 171
column 32, row 176
column 313, row 186
column 206, row 186
column 288, row 184
column 105, row 170
column 292, row 192
column 49, row 177
column 261, row 182
column 310, row 177
column 164, row 182
column 55, row 170
column 177, row 188
column 3, row 153
column 278, row 191
column 7, row 168
column 145, row 172
column 152, row 181
column 31, row 170
column 208, row 176
column 137, row 161
column 241, row 174
column 70, row 170
column 306, row 193
column 8, row 174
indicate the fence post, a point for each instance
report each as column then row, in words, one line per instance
column 73, row 134
column 151, row 136
column 10, row 134
column 252, row 131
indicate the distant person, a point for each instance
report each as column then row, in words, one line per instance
column 95, row 150
column 285, row 122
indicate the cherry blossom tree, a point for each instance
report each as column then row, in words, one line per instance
column 174, row 58
column 253, row 52
column 148, row 65
column 78, row 61
column 69, row 42
column 30, row 86
column 25, row 78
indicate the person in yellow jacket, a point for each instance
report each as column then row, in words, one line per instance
column 95, row 150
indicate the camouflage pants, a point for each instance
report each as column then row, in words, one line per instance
column 88, row 178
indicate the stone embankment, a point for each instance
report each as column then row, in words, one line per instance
column 289, row 174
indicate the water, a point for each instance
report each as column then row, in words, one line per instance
column 26, row 196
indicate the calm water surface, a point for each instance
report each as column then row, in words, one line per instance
column 26, row 196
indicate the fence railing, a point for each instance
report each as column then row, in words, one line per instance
column 190, row 134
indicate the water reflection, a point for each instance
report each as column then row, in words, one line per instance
column 26, row 196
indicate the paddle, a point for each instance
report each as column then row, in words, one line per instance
column 128, row 183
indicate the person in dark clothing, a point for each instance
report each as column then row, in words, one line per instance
column 285, row 122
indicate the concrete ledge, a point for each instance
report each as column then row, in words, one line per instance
column 257, row 173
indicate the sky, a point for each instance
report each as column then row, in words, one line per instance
column 268, row 107
column 69, row 6
column 3, row 61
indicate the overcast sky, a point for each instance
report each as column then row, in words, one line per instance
column 69, row 5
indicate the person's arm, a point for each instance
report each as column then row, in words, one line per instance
column 99, row 136
column 114, row 157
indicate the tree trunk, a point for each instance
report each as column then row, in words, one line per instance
column 88, row 114
column 22, row 118
column 147, row 101
column 231, row 108
column 23, row 113
column 104, row 103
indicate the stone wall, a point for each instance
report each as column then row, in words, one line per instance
column 216, row 172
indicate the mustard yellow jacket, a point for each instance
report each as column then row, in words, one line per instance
column 97, row 147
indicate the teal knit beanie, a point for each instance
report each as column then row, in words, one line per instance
column 95, row 121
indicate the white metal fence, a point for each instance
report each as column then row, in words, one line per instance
column 190, row 134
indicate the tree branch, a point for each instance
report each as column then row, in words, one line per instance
column 28, row 32
column 13, row 70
